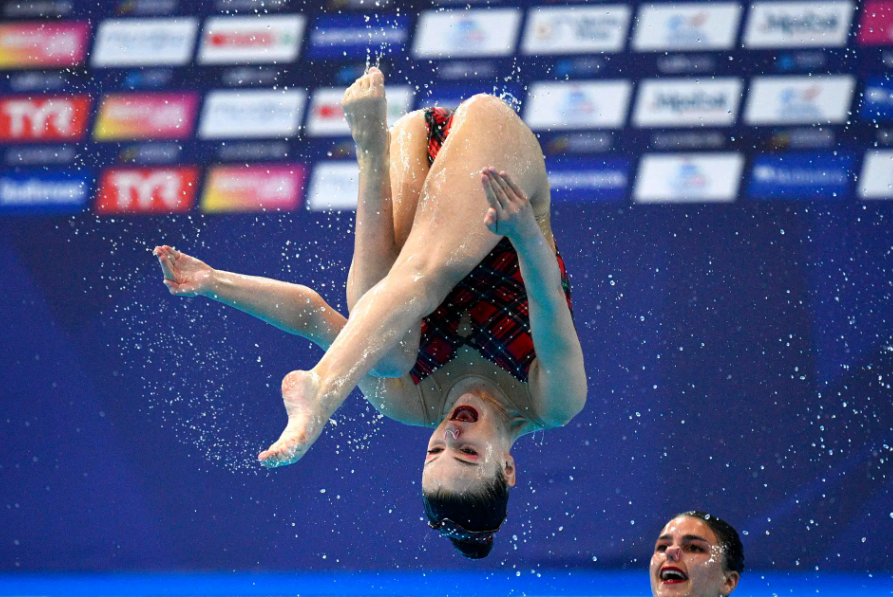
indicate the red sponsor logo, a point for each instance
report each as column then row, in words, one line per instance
column 876, row 28
column 147, row 190
column 146, row 116
column 35, row 44
column 233, row 39
column 43, row 119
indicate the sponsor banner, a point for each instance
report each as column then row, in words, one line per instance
column 801, row 176
column 146, row 7
column 44, row 191
column 261, row 187
column 452, row 96
column 820, row 99
column 690, row 26
column 37, row 8
column 56, row 118
column 40, row 155
column 357, row 36
column 687, row 102
column 43, row 44
column 576, row 29
column 326, row 117
column 877, row 100
column 251, row 114
column 150, row 153
column 251, row 40
column 588, row 181
column 821, row 24
column 147, row 190
column 577, row 105
column 467, row 33
column 876, row 181
column 876, row 26
column 334, row 186
column 145, row 42
column 127, row 116
column 688, row 177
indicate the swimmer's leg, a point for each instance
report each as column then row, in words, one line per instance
column 293, row 308
column 391, row 176
column 448, row 239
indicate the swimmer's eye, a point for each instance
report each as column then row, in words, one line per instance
column 696, row 548
column 660, row 548
column 469, row 451
column 435, row 450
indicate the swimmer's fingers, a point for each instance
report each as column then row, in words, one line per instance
column 512, row 190
column 495, row 196
column 496, row 211
column 165, row 259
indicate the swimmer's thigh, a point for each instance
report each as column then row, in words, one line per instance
column 448, row 236
column 408, row 169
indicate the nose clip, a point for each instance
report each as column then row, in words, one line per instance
column 452, row 432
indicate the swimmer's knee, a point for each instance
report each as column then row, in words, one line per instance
column 484, row 105
column 409, row 123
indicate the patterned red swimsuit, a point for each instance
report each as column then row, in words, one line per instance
column 493, row 294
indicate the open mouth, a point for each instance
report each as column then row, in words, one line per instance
column 465, row 414
column 672, row 576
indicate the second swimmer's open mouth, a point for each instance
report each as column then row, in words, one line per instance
column 465, row 414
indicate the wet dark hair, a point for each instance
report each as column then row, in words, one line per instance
column 471, row 519
column 732, row 548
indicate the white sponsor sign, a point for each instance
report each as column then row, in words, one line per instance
column 576, row 29
column 798, row 24
column 688, row 102
column 577, row 105
column 38, row 191
column 464, row 33
column 251, row 114
column 327, row 118
column 335, row 185
column 145, row 42
column 251, row 40
column 819, row 99
column 876, row 181
column 688, row 177
column 688, row 26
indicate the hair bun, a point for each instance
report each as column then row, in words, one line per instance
column 473, row 550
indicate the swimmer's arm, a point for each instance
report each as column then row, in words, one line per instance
column 293, row 308
column 557, row 377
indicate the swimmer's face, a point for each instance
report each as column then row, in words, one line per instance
column 463, row 451
column 688, row 562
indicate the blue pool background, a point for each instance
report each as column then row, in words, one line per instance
column 740, row 359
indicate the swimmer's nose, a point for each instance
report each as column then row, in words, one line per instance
column 451, row 433
column 674, row 552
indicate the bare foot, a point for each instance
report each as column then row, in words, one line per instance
column 306, row 419
column 366, row 111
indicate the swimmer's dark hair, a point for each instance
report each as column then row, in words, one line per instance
column 481, row 511
column 732, row 548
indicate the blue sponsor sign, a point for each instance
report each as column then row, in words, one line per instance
column 44, row 192
column 588, row 181
column 451, row 96
column 356, row 36
column 801, row 176
column 877, row 101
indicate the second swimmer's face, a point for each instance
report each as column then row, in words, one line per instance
column 688, row 561
column 462, row 451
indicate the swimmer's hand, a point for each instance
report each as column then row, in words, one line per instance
column 306, row 418
column 366, row 111
column 184, row 275
column 510, row 213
